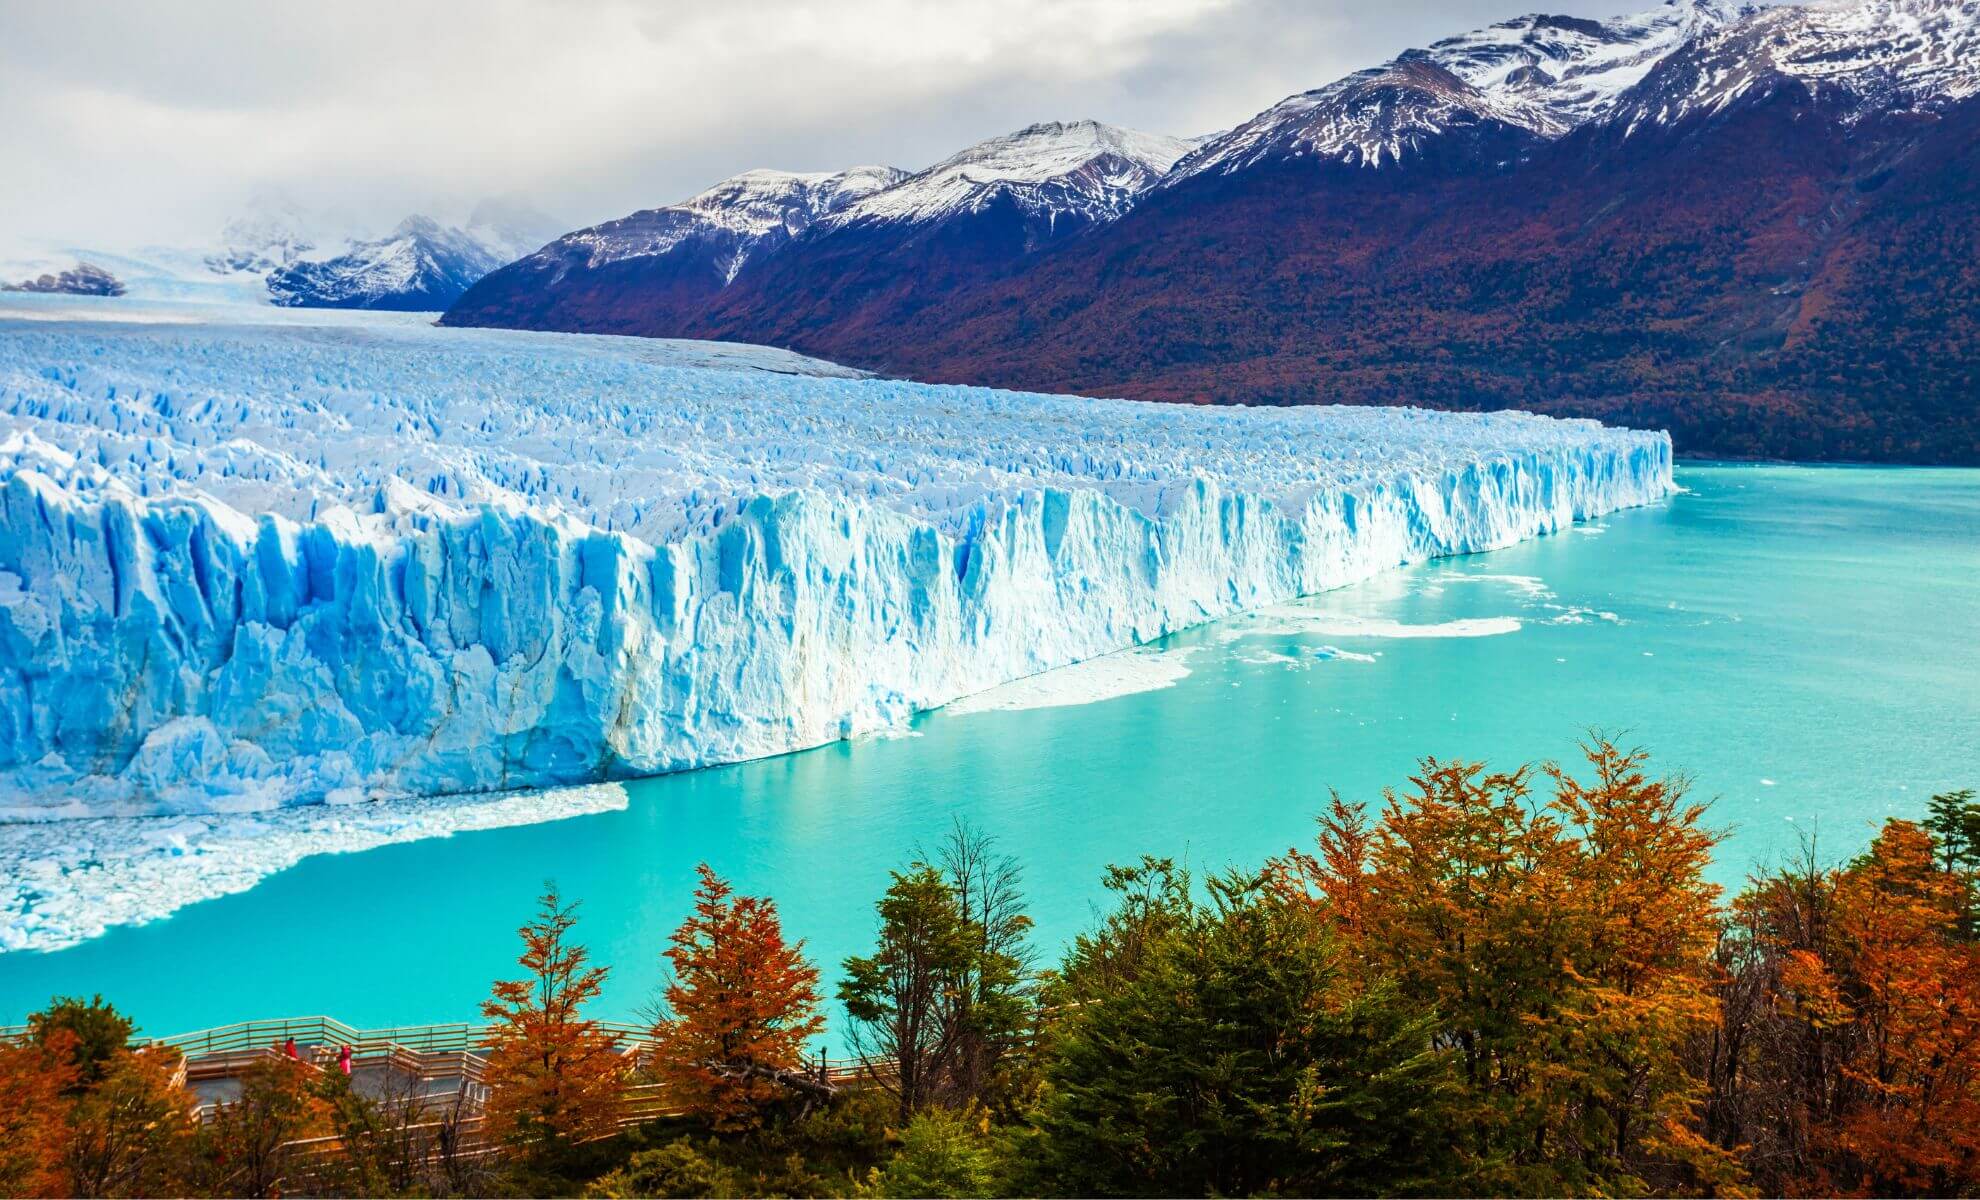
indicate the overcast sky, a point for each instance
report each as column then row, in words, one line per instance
column 124, row 123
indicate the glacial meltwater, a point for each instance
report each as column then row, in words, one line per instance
column 1803, row 643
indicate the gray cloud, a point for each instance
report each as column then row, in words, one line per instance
column 125, row 123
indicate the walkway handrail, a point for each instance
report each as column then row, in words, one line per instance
column 457, row 1037
column 328, row 1031
column 454, row 1050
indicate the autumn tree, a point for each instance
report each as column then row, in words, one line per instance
column 739, row 1010
column 1858, row 1071
column 1642, row 970
column 84, row 1114
column 94, row 1031
column 554, row 1076
column 35, row 1076
column 1461, row 895
column 1564, row 944
column 132, row 1132
column 245, row 1145
column 1912, row 982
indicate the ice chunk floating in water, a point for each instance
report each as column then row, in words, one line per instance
column 250, row 567
column 71, row 880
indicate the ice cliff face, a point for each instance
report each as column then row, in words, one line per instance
column 250, row 567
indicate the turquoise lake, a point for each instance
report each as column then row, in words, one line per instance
column 1803, row 643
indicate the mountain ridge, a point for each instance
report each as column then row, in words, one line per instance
column 1689, row 217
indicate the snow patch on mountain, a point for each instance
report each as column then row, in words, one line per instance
column 1559, row 72
column 1537, row 75
column 420, row 266
column 1860, row 55
column 1072, row 168
column 747, row 214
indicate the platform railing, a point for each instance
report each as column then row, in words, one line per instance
column 454, row 1126
column 452, row 1048
column 328, row 1031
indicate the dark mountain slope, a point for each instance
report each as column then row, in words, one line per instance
column 1754, row 227
column 1766, row 281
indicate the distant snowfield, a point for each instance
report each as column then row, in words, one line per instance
column 254, row 563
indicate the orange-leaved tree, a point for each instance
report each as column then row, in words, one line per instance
column 739, row 1009
column 1644, row 975
column 1862, row 1074
column 83, row 1114
column 554, row 1076
column 34, row 1116
column 248, row 1142
column 1460, row 891
column 1914, row 984
column 1565, row 946
column 132, row 1132
column 1848, row 1055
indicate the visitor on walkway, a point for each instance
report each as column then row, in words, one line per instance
column 289, row 1048
column 344, row 1060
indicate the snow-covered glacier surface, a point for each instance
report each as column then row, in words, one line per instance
column 246, row 568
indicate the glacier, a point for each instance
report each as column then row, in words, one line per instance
column 249, row 566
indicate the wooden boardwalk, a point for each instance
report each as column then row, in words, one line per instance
column 445, row 1067
column 432, row 1078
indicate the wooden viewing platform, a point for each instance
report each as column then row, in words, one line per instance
column 439, row 1068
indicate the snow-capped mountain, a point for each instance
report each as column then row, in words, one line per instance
column 676, row 257
column 273, row 232
column 1480, row 223
column 983, row 209
column 1529, row 79
column 727, row 224
column 1854, row 58
column 421, row 266
column 1080, row 169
